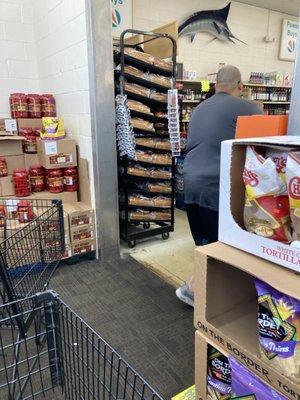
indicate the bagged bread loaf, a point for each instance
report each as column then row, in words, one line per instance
column 266, row 211
column 161, row 201
column 162, row 97
column 139, row 123
column 139, row 200
column 139, row 55
column 279, row 329
column 146, row 142
column 160, row 80
column 162, row 144
column 139, row 107
column 159, row 187
column 160, row 173
column 137, row 89
column 145, row 156
column 144, row 215
column 166, row 65
column 137, row 170
column 128, row 69
column 293, row 184
column 162, row 159
column 161, row 114
column 218, row 375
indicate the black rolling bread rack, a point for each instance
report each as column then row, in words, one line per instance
column 152, row 220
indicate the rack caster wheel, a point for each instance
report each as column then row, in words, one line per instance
column 165, row 235
column 146, row 225
column 132, row 244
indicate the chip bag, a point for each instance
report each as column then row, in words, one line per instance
column 266, row 211
column 279, row 329
column 247, row 386
column 279, row 158
column 293, row 184
column 218, row 375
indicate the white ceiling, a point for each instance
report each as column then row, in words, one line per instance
column 286, row 6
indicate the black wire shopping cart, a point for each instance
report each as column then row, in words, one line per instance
column 49, row 352
column 31, row 245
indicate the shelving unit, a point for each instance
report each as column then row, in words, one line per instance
column 134, row 229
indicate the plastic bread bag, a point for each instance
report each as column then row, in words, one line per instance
column 279, row 329
column 293, row 184
column 139, row 123
column 139, row 107
column 247, row 386
column 218, row 375
column 266, row 211
column 279, row 157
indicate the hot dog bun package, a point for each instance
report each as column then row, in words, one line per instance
column 293, row 185
column 266, row 211
column 218, row 375
column 247, row 386
column 279, row 329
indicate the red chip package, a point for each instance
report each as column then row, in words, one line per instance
column 266, row 211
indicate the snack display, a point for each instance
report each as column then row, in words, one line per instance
column 245, row 385
column 279, row 329
column 139, row 123
column 218, row 375
column 266, row 211
column 53, row 128
column 139, row 107
column 293, row 185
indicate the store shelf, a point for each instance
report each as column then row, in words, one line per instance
column 191, row 101
column 147, row 117
column 191, row 82
column 268, row 86
column 277, row 102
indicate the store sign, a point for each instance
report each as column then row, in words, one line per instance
column 121, row 16
column 289, row 39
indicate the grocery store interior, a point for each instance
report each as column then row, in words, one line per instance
column 105, row 291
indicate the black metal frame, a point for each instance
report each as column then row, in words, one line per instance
column 60, row 356
column 130, row 231
column 29, row 251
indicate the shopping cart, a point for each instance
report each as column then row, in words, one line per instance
column 31, row 245
column 49, row 352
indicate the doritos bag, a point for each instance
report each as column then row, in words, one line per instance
column 266, row 211
column 218, row 376
column 279, row 329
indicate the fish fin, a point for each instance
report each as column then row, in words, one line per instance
column 224, row 11
column 217, row 27
column 239, row 40
column 193, row 37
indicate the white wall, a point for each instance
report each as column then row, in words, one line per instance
column 18, row 66
column 246, row 22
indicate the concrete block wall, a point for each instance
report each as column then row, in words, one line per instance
column 18, row 63
column 248, row 23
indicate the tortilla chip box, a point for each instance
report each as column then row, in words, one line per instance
column 11, row 146
column 57, row 153
column 79, row 214
column 232, row 195
column 226, row 306
column 8, row 127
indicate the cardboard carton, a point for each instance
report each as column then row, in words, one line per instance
column 82, row 233
column 84, row 182
column 65, row 197
column 25, row 123
column 31, row 159
column 11, row 146
column 6, row 186
column 79, row 214
column 14, row 162
column 261, row 125
column 226, row 306
column 8, row 127
column 83, row 246
column 232, row 195
column 57, row 153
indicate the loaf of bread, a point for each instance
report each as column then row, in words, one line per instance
column 162, row 97
column 165, row 159
column 163, row 144
column 160, row 80
column 137, row 89
column 146, row 142
column 159, row 187
column 166, row 65
column 145, row 156
column 137, row 170
column 139, row 55
column 139, row 107
column 143, row 215
column 139, row 200
column 160, row 173
column 128, row 69
column 161, row 201
column 139, row 123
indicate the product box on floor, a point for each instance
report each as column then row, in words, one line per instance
column 6, row 186
column 65, row 197
column 83, row 246
column 14, row 162
column 11, row 146
column 226, row 313
column 57, row 153
column 31, row 159
column 219, row 376
column 27, row 123
column 82, row 232
column 232, row 201
column 79, row 214
column 8, row 127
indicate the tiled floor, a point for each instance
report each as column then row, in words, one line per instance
column 172, row 259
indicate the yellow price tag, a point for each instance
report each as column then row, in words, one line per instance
column 205, row 86
column 187, row 394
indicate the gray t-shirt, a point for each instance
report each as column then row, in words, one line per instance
column 212, row 121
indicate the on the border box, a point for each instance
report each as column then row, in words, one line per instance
column 226, row 306
column 232, row 198
column 79, row 214
column 11, row 146
column 57, row 153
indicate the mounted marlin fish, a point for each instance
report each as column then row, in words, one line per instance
column 210, row 21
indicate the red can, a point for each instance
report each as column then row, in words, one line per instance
column 48, row 105
column 18, row 105
column 55, row 180
column 37, row 178
column 21, row 182
column 25, row 211
column 3, row 167
column 34, row 106
column 71, row 181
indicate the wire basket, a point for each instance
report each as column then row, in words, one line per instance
column 31, row 245
column 49, row 352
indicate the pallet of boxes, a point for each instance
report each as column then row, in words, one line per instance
column 38, row 161
column 247, row 295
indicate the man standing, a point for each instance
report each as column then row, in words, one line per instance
column 213, row 121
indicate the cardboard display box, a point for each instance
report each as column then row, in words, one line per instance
column 232, row 195
column 57, row 153
column 79, row 214
column 261, row 125
column 14, row 162
column 6, row 186
column 8, row 127
column 11, row 146
column 85, row 232
column 25, row 123
column 226, row 306
column 65, row 197
column 31, row 159
column 83, row 246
